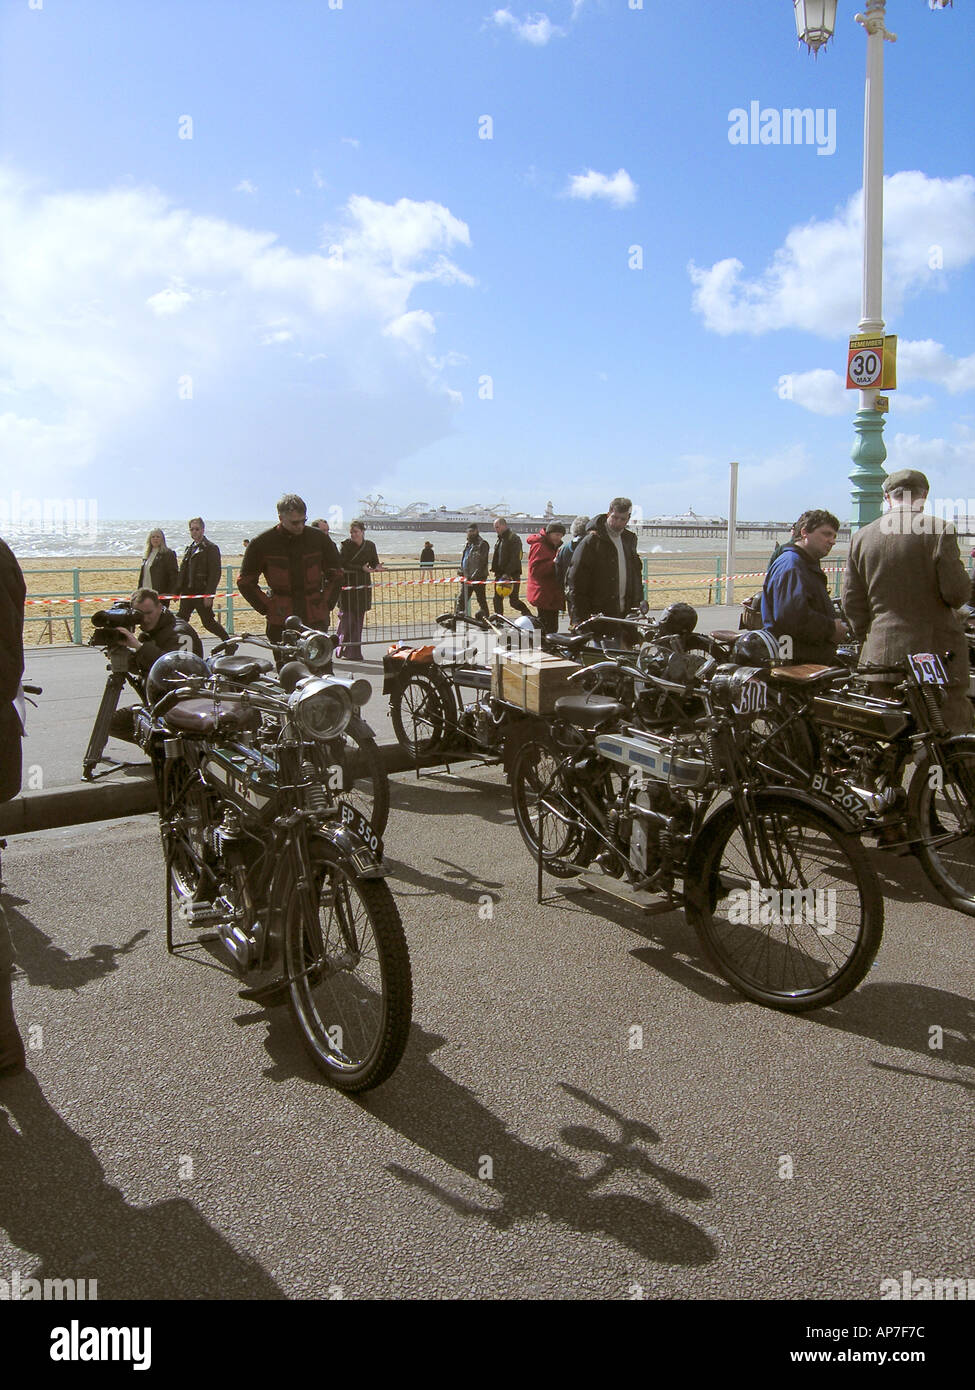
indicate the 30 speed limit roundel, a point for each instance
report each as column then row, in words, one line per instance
column 865, row 363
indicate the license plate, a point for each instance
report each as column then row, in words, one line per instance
column 360, row 826
column 928, row 669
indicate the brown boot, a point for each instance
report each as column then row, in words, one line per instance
column 12, row 1056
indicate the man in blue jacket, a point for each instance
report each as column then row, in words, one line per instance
column 796, row 607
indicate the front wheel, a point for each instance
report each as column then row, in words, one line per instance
column 544, row 809
column 786, row 904
column 942, row 802
column 350, row 989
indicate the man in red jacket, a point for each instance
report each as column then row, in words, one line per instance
column 299, row 564
column 544, row 589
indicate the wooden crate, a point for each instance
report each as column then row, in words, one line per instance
column 532, row 680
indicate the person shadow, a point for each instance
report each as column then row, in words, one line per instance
column 56, row 1205
column 48, row 965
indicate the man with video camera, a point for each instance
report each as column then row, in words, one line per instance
column 161, row 632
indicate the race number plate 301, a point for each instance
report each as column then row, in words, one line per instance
column 928, row 669
column 359, row 825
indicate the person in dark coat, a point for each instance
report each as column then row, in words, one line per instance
column 160, row 568
column 606, row 573
column 427, row 557
column 796, row 607
column 199, row 574
column 473, row 571
column 359, row 559
column 543, row 588
column 299, row 564
column 13, row 592
column 506, row 567
column 564, row 559
column 904, row 577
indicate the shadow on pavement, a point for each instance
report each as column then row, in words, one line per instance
column 46, row 964
column 448, row 1121
column 490, row 802
column 454, row 882
column 56, row 1205
column 902, row 1015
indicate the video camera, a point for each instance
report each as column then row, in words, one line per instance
column 107, row 621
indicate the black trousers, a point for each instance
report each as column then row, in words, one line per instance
column 513, row 599
column 464, row 597
column 549, row 619
column 188, row 606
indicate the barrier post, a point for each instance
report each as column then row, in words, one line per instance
column 76, row 606
column 718, row 591
column 229, row 614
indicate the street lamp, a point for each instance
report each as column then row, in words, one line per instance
column 815, row 22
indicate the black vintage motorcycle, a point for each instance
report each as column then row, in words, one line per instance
column 273, row 864
column 774, row 879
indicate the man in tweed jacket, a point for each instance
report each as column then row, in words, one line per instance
column 904, row 576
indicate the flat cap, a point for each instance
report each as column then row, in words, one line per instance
column 909, row 479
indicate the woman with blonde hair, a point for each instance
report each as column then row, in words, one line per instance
column 160, row 568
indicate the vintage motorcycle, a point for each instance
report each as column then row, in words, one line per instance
column 274, row 865
column 774, row 879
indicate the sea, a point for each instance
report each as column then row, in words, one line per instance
column 105, row 538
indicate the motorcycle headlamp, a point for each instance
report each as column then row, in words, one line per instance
column 322, row 709
column 739, row 689
column 315, row 650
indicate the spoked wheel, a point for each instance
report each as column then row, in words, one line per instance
column 795, row 924
column 544, row 810
column 350, row 990
column 364, row 781
column 185, row 811
column 419, row 715
column 942, row 801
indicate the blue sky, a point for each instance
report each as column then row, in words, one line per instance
column 311, row 292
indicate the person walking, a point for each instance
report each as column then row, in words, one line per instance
column 199, row 577
column 427, row 557
column 359, row 559
column 796, row 607
column 473, row 571
column 564, row 559
column 606, row 574
column 160, row 568
column 13, row 593
column 904, row 577
column 506, row 568
column 298, row 562
column 543, row 588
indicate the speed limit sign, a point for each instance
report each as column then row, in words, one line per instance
column 865, row 363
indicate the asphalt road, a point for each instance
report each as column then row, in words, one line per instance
column 173, row 1141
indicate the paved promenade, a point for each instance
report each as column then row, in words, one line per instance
column 173, row 1142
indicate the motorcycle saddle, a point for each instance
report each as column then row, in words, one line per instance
column 241, row 669
column 206, row 717
column 586, row 712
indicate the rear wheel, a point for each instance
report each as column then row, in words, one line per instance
column 942, row 800
column 350, row 989
column 186, row 812
column 796, row 923
column 419, row 714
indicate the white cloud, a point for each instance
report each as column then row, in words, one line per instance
column 536, row 29
column 813, row 280
column 948, row 464
column 317, row 179
column 245, row 186
column 412, row 328
column 929, row 361
column 112, row 297
column 620, row 190
column 350, row 140
column 821, row 391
